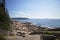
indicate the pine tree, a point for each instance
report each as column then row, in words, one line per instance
column 4, row 17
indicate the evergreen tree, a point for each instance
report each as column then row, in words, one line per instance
column 4, row 17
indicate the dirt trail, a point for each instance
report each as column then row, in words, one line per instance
column 30, row 37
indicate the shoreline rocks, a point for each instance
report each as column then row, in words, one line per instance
column 24, row 28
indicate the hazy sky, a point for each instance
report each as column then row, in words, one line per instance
column 34, row 8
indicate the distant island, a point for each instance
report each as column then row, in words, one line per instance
column 20, row 18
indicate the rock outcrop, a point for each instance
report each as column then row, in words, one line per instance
column 25, row 28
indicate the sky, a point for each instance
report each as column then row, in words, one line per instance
column 34, row 8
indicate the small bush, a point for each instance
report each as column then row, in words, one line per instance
column 2, row 38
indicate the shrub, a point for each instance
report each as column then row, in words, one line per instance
column 2, row 38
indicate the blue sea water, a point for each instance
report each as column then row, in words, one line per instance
column 45, row 22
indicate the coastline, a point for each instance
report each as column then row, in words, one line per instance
column 50, row 23
column 29, row 31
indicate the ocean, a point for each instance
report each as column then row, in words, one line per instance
column 51, row 23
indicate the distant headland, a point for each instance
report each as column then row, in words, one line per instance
column 19, row 18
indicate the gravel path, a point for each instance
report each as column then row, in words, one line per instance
column 30, row 37
column 33, row 37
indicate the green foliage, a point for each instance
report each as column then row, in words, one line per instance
column 4, row 19
column 47, row 32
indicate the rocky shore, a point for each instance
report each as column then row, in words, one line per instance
column 29, row 31
column 21, row 31
column 19, row 28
